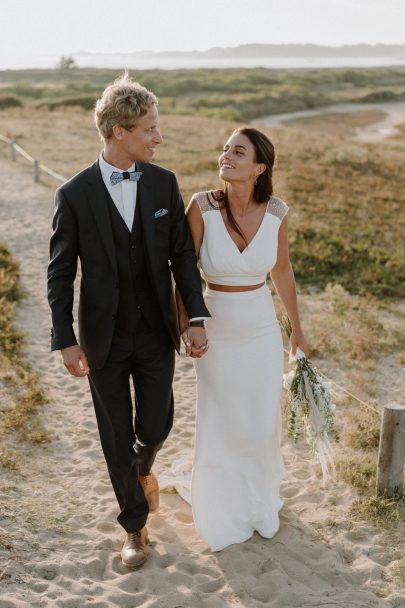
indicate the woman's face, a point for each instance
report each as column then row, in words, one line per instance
column 237, row 162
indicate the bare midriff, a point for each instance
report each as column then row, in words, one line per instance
column 216, row 287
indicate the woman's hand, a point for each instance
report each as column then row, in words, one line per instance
column 297, row 340
column 186, row 341
column 195, row 342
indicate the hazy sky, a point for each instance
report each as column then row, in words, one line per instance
column 34, row 28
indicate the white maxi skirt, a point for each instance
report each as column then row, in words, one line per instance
column 238, row 467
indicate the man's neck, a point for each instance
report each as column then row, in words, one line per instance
column 117, row 159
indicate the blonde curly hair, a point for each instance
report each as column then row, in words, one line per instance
column 123, row 102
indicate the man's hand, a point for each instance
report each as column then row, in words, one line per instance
column 75, row 361
column 195, row 340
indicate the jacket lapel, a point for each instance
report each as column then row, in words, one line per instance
column 97, row 198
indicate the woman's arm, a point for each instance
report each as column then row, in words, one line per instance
column 283, row 279
column 196, row 225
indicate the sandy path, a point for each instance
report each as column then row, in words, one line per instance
column 61, row 513
column 387, row 127
column 371, row 133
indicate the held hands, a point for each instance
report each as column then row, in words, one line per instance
column 75, row 361
column 195, row 341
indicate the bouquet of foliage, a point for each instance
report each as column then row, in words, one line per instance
column 311, row 411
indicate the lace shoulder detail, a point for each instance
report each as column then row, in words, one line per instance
column 277, row 207
column 206, row 201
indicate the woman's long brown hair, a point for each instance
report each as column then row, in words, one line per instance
column 263, row 188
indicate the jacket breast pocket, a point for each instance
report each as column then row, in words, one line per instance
column 162, row 227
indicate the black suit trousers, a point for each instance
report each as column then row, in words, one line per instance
column 133, row 430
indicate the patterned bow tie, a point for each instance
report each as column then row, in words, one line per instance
column 116, row 176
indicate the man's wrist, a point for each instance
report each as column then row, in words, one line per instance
column 197, row 323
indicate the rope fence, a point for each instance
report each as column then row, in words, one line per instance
column 38, row 168
column 391, row 456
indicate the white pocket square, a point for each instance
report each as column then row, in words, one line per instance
column 160, row 213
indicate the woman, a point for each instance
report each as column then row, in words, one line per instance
column 240, row 234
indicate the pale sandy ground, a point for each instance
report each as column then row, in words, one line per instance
column 59, row 513
column 387, row 127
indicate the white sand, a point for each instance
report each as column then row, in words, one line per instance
column 59, row 513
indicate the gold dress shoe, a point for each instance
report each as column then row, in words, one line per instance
column 150, row 487
column 135, row 549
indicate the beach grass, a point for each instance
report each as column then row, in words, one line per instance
column 21, row 394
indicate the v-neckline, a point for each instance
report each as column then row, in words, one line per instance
column 253, row 237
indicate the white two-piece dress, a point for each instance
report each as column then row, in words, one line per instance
column 237, row 465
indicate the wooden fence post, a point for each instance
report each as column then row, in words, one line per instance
column 36, row 171
column 12, row 149
column 391, row 454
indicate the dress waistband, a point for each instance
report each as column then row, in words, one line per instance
column 234, row 288
column 243, row 295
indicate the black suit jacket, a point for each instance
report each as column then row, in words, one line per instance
column 82, row 229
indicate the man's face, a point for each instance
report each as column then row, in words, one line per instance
column 139, row 143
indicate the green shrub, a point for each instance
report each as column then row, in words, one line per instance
column 84, row 101
column 320, row 257
column 381, row 96
column 10, row 101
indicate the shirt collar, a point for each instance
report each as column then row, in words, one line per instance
column 106, row 169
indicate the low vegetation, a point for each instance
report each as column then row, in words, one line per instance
column 346, row 198
column 231, row 94
column 21, row 395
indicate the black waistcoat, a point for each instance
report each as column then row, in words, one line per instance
column 136, row 296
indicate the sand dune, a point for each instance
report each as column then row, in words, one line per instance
column 59, row 513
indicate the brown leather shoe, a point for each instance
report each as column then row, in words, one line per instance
column 135, row 549
column 150, row 487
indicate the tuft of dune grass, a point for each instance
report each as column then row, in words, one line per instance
column 21, row 395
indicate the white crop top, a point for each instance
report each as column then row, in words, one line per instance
column 220, row 259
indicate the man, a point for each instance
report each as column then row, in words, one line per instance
column 124, row 218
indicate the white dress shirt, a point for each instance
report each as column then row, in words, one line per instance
column 123, row 194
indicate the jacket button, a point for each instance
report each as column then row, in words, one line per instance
column 114, row 317
column 116, row 285
column 138, row 307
